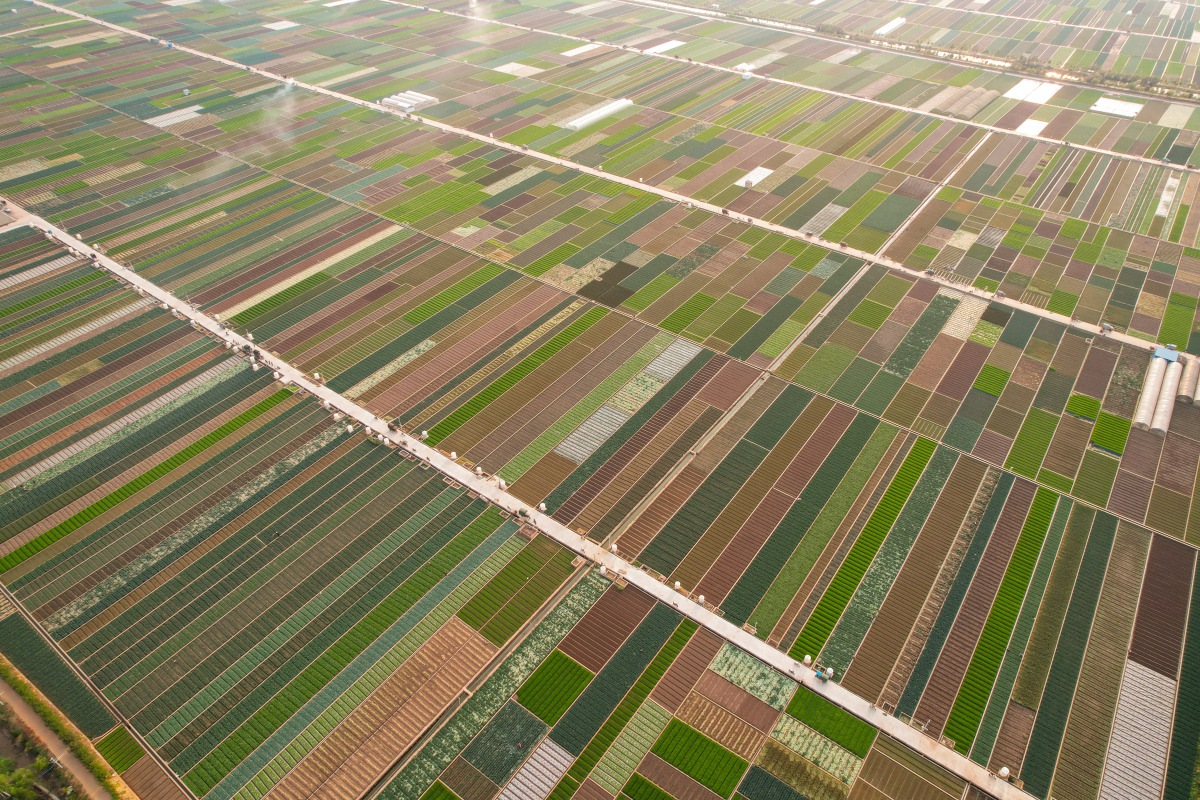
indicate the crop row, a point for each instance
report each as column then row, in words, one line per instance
column 334, row 656
column 512, row 376
column 624, row 708
column 553, row 686
column 864, row 605
column 504, row 742
column 424, row 768
column 1014, row 655
column 832, row 721
column 921, row 672
column 836, row 493
column 1185, row 734
column 1045, row 741
column 120, row 749
column 181, row 609
column 484, row 605
column 993, row 643
column 793, row 532
column 699, row 757
column 829, row 609
column 29, row 653
column 318, row 718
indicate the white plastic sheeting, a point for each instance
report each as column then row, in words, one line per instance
column 540, row 774
column 1187, row 384
column 597, row 114
column 409, row 101
column 1137, row 751
column 1144, row 413
column 1166, row 399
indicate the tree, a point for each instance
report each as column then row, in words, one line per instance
column 17, row 783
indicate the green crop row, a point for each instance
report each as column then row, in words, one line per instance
column 345, row 593
column 808, row 526
column 602, row 696
column 334, row 656
column 553, row 686
column 46, row 295
column 976, row 687
column 603, row 738
column 1185, row 735
column 916, row 342
column 1018, row 646
column 137, row 484
column 680, row 534
column 683, row 316
column 831, row 721
column 639, row 788
column 23, row 509
column 439, row 792
column 866, row 601
column 1083, row 406
column 1110, row 433
column 510, row 378
column 991, row 379
column 919, row 677
column 504, row 742
column 279, row 298
column 529, row 598
column 456, row 292
column 699, row 757
column 260, row 772
column 120, row 749
column 1045, row 740
column 1032, row 442
column 500, row 589
column 192, row 604
column 816, row 631
column 131, row 670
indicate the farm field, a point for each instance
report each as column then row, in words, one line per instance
column 678, row 135
column 1022, row 393
column 882, row 435
column 1151, row 40
column 656, row 707
column 227, row 565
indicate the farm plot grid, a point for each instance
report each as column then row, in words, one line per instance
column 1055, row 109
column 936, row 497
column 1029, row 395
column 629, row 700
column 1142, row 41
column 273, row 603
column 622, row 248
column 856, row 187
column 923, row 578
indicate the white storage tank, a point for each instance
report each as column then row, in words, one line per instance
column 1150, row 390
column 1166, row 399
column 1187, row 384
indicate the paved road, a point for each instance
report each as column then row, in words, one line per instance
column 55, row 745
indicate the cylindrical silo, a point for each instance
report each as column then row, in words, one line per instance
column 1150, row 389
column 1187, row 384
column 1166, row 399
